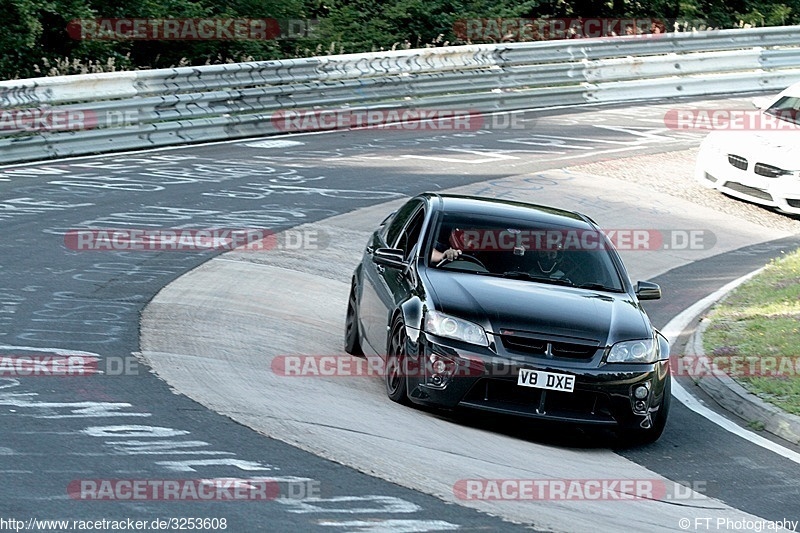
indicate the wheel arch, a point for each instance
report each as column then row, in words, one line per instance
column 410, row 312
column 663, row 346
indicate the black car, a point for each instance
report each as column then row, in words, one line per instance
column 511, row 308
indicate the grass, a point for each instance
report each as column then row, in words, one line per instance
column 759, row 322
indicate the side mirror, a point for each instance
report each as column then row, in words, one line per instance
column 389, row 257
column 646, row 290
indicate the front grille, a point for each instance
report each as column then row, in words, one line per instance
column 573, row 351
column 737, row 161
column 524, row 344
column 583, row 349
column 768, row 171
column 744, row 189
column 506, row 395
column 793, row 203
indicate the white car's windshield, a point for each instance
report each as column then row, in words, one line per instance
column 787, row 109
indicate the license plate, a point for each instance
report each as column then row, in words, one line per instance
column 539, row 379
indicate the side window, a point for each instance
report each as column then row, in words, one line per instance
column 399, row 222
column 410, row 236
column 385, row 223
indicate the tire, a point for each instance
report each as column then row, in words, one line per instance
column 639, row 437
column 394, row 378
column 352, row 344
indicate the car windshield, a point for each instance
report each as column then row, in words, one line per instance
column 786, row 109
column 520, row 249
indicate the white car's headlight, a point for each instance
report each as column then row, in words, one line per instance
column 641, row 351
column 451, row 327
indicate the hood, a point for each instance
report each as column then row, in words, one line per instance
column 509, row 304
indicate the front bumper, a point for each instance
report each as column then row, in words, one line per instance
column 714, row 171
column 487, row 381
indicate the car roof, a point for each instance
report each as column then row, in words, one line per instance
column 497, row 207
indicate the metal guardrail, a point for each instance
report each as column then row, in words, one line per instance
column 150, row 108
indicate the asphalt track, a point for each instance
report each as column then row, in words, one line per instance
column 133, row 425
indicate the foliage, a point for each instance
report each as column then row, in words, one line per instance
column 35, row 40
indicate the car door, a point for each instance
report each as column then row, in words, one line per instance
column 398, row 283
column 379, row 281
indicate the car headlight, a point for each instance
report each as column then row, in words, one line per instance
column 443, row 325
column 641, row 351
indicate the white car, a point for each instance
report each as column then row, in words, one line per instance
column 758, row 158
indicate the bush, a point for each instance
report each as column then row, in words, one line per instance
column 35, row 41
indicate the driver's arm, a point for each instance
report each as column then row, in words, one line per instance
column 450, row 254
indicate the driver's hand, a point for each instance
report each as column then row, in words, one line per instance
column 451, row 253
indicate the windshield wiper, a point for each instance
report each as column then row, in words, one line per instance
column 598, row 287
column 464, row 271
column 541, row 279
